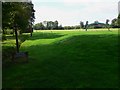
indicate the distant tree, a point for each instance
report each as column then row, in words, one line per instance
column 60, row 27
column 114, row 23
column 107, row 24
column 39, row 26
column 50, row 25
column 45, row 24
column 68, row 27
column 96, row 22
column 77, row 27
column 86, row 25
column 81, row 24
column 55, row 25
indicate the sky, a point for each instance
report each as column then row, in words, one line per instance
column 71, row 12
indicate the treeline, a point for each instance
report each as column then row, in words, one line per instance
column 53, row 25
column 47, row 25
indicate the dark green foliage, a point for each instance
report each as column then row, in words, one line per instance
column 114, row 23
column 46, row 25
column 3, row 37
column 39, row 26
column 118, row 21
column 86, row 25
column 19, row 13
column 107, row 24
column 81, row 24
column 69, row 27
column 18, row 16
column 60, row 27
column 7, row 52
column 8, row 31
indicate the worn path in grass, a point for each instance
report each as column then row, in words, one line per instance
column 68, row 59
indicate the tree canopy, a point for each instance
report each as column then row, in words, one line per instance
column 19, row 13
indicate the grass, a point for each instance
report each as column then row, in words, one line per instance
column 9, row 47
column 67, row 59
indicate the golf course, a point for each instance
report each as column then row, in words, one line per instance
column 66, row 59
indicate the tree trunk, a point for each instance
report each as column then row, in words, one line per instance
column 3, row 31
column 31, row 34
column 16, row 36
column 31, row 31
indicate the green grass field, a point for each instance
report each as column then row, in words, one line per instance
column 67, row 59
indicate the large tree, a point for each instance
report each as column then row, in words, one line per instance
column 17, row 15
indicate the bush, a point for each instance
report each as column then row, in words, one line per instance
column 3, row 37
column 7, row 52
column 8, row 31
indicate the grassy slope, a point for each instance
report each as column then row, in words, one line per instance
column 67, row 59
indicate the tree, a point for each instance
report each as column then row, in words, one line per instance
column 86, row 25
column 118, row 20
column 77, row 27
column 45, row 24
column 32, row 17
column 7, row 17
column 39, row 26
column 19, row 15
column 60, row 27
column 114, row 23
column 107, row 24
column 55, row 25
column 81, row 24
column 50, row 25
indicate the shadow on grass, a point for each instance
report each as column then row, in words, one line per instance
column 43, row 35
column 74, row 62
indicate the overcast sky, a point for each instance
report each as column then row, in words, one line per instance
column 71, row 12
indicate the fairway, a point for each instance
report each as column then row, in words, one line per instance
column 67, row 59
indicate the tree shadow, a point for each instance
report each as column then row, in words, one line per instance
column 77, row 60
column 43, row 35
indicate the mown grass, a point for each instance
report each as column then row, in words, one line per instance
column 67, row 59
